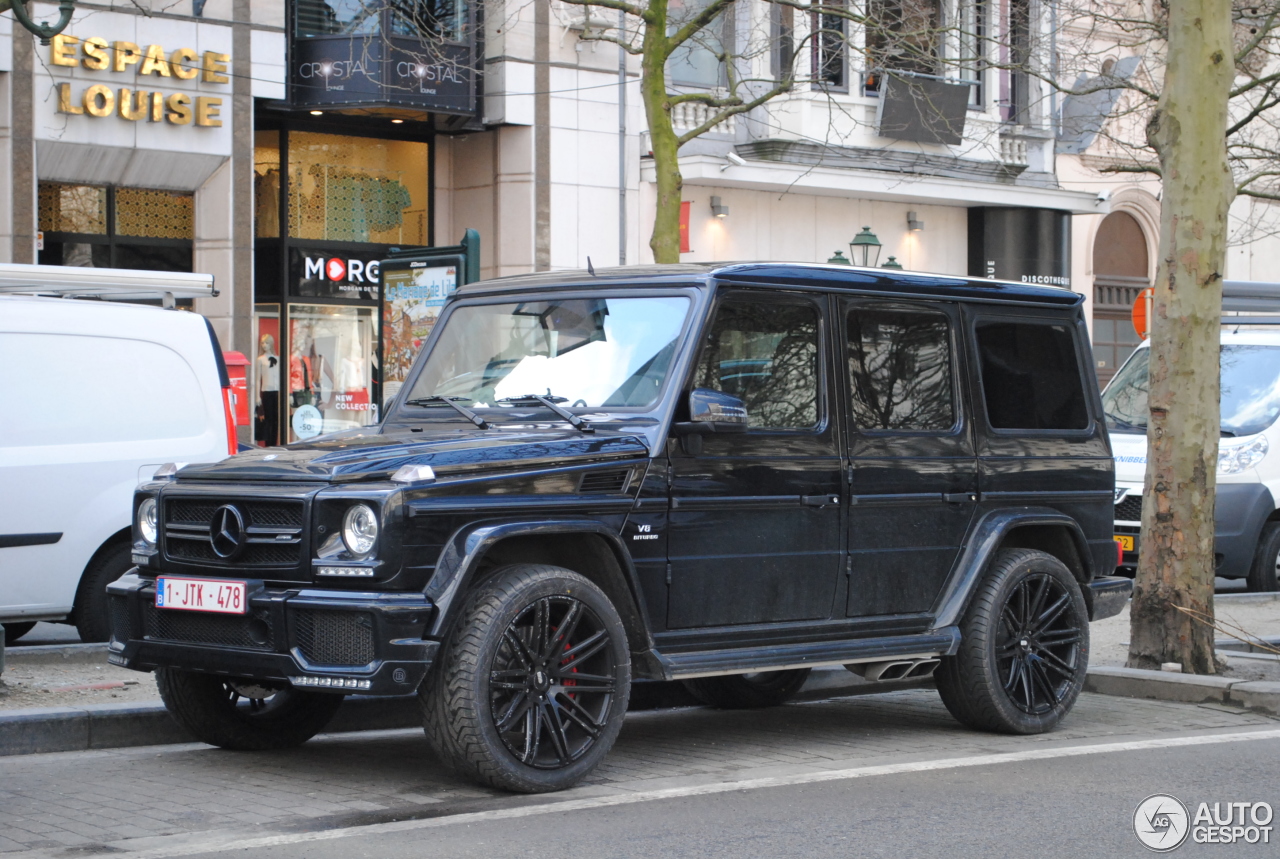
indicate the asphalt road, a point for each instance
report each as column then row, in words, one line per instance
column 1070, row 807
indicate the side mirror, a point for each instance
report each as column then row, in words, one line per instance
column 710, row 412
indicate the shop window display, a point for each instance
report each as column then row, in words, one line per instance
column 332, row 359
column 266, row 375
column 353, row 189
column 266, row 184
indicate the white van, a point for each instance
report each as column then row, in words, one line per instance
column 1247, row 539
column 97, row 395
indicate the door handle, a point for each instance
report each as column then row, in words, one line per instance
column 959, row 497
column 819, row 500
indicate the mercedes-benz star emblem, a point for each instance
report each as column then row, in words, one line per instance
column 226, row 531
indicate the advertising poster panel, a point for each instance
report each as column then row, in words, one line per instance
column 412, row 298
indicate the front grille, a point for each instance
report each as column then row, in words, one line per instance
column 334, row 637
column 121, row 620
column 1130, row 509
column 223, row 630
column 272, row 531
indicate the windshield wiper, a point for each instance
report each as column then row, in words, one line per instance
column 550, row 402
column 449, row 401
column 1121, row 423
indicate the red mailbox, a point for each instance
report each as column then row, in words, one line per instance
column 238, row 372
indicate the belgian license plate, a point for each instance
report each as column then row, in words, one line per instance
column 202, row 595
column 1125, row 541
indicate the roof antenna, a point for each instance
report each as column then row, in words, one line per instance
column 591, row 270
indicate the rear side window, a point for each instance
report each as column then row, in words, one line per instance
column 61, row 389
column 900, row 370
column 1031, row 376
column 766, row 354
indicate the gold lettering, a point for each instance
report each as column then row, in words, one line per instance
column 179, row 109
column 133, row 105
column 180, row 59
column 126, row 54
column 99, row 100
column 214, row 65
column 207, row 112
column 64, row 101
column 154, row 62
column 157, row 106
column 62, row 50
column 95, row 54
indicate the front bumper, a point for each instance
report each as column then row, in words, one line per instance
column 1106, row 596
column 326, row 640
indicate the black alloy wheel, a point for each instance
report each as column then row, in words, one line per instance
column 1024, row 647
column 1038, row 649
column 246, row 715
column 531, row 687
column 552, row 682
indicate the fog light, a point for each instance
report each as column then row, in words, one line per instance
column 357, row 572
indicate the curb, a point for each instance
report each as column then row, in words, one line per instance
column 1260, row 696
column 55, row 654
column 114, row 726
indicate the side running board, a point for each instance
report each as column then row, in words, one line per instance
column 809, row 654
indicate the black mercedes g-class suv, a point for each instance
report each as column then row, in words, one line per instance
column 724, row 475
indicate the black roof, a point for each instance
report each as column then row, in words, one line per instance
column 786, row 274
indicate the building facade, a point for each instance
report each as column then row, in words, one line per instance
column 286, row 146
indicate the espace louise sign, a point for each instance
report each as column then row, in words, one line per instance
column 341, row 274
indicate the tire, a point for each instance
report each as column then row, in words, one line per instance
column 1264, row 573
column 748, row 691
column 1024, row 647
column 244, row 715
column 507, row 703
column 14, row 631
column 92, row 616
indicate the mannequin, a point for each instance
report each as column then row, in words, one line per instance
column 267, row 413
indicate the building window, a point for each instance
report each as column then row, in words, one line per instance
column 1015, row 97
column 830, row 52
column 902, row 36
column 699, row 62
column 106, row 227
column 973, row 47
column 1119, row 275
column 783, row 41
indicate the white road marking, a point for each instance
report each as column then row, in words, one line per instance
column 190, row 848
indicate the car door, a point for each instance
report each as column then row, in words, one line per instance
column 755, row 521
column 913, row 472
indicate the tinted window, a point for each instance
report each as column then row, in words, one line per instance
column 766, row 354
column 900, row 370
column 1031, row 376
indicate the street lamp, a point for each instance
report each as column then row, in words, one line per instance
column 864, row 250
column 838, row 259
column 66, row 9
column 893, row 263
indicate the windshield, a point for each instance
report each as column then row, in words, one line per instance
column 1250, row 390
column 582, row 352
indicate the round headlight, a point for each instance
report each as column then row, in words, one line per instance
column 147, row 520
column 360, row 530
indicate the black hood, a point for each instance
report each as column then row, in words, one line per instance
column 371, row 455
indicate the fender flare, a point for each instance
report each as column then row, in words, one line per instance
column 984, row 540
column 457, row 564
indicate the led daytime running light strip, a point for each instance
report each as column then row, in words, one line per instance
column 350, row 572
column 332, row 682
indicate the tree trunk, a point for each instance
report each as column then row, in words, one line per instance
column 1188, row 131
column 665, row 240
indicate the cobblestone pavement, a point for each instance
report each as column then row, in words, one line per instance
column 132, row 799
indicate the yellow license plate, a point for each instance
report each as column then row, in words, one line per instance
column 1125, row 541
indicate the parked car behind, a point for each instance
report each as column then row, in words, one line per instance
column 1247, row 503
column 97, row 395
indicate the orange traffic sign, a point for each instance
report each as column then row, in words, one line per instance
column 1141, row 313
